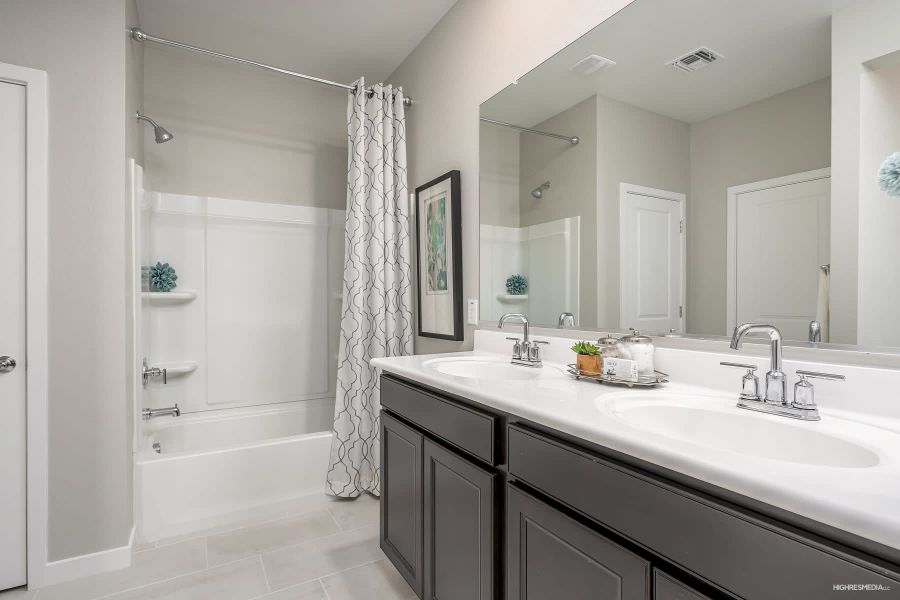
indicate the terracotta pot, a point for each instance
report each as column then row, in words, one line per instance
column 589, row 365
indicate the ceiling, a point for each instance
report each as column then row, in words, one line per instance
column 768, row 47
column 334, row 39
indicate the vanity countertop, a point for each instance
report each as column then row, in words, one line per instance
column 864, row 500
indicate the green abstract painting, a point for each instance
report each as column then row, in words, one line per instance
column 436, row 244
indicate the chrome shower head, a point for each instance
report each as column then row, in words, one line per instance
column 160, row 133
column 538, row 192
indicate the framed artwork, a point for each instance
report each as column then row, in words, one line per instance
column 439, row 258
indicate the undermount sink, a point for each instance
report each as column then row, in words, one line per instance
column 707, row 422
column 477, row 367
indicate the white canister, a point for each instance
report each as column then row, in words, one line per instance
column 640, row 349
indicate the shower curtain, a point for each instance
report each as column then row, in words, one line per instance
column 376, row 311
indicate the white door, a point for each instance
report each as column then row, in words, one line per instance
column 778, row 238
column 12, row 335
column 651, row 259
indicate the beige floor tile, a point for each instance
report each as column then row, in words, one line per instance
column 227, row 547
column 358, row 512
column 376, row 580
column 147, row 567
column 242, row 580
column 17, row 594
column 311, row 590
column 322, row 557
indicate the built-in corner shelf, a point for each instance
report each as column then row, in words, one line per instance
column 173, row 369
column 512, row 297
column 179, row 297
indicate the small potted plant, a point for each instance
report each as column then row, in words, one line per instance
column 588, row 361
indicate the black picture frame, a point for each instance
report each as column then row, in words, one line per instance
column 454, row 279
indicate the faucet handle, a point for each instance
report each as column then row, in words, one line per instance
column 517, row 347
column 818, row 375
column 749, row 383
column 750, row 368
column 805, row 393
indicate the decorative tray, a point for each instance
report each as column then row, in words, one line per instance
column 659, row 378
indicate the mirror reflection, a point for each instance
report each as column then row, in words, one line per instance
column 671, row 171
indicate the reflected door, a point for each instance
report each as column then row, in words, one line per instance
column 651, row 259
column 778, row 238
column 12, row 335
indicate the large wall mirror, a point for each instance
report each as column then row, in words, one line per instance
column 671, row 171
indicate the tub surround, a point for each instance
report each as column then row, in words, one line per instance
column 857, row 494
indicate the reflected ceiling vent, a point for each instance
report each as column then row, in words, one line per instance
column 695, row 60
column 591, row 64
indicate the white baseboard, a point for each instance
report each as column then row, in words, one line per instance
column 87, row 564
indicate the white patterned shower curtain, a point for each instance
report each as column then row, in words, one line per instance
column 376, row 312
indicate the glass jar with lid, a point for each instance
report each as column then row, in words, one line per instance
column 610, row 347
column 640, row 349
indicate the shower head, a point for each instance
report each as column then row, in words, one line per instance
column 160, row 133
column 538, row 192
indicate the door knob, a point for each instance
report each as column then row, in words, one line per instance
column 7, row 364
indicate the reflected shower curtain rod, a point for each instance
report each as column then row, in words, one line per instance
column 142, row 36
column 572, row 139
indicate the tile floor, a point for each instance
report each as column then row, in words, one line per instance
column 320, row 548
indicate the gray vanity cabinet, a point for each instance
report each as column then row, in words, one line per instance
column 401, row 499
column 551, row 556
column 459, row 526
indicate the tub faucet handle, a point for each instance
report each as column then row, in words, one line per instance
column 147, row 372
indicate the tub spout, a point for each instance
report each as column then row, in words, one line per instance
column 172, row 411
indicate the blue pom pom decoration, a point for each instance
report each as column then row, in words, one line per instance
column 889, row 175
column 516, row 285
column 162, row 277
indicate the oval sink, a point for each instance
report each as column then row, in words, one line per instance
column 477, row 367
column 741, row 431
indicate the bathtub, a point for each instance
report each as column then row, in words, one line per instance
column 208, row 469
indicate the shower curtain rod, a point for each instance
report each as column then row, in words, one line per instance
column 142, row 36
column 572, row 139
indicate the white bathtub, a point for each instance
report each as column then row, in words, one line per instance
column 222, row 466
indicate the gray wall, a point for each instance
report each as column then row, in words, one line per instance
column 499, row 176
column 785, row 134
column 573, row 188
column 243, row 134
column 82, row 46
column 474, row 51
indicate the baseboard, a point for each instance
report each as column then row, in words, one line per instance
column 86, row 565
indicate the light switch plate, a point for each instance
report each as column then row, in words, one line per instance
column 472, row 314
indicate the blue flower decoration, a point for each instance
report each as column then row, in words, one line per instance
column 162, row 277
column 889, row 175
column 516, row 285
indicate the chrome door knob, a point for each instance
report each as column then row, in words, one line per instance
column 7, row 364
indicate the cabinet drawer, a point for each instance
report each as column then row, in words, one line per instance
column 469, row 429
column 741, row 553
column 667, row 587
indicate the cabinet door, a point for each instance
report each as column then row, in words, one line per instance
column 459, row 527
column 669, row 588
column 401, row 499
column 551, row 556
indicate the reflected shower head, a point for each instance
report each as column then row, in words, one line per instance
column 538, row 192
column 160, row 133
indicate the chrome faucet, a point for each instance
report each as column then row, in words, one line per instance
column 774, row 398
column 776, row 381
column 526, row 352
column 172, row 411
column 566, row 321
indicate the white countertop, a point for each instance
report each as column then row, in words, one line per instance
column 861, row 500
